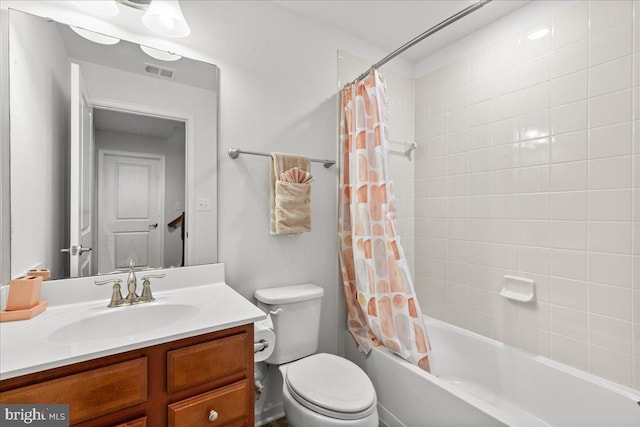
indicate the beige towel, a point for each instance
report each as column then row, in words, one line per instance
column 290, row 201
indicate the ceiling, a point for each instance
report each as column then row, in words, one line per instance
column 385, row 24
column 389, row 24
column 135, row 124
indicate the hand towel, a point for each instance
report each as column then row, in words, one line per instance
column 290, row 201
column 296, row 175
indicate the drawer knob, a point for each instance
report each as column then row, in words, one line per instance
column 213, row 415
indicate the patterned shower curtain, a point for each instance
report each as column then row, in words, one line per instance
column 381, row 301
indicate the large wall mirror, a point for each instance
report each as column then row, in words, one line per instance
column 113, row 153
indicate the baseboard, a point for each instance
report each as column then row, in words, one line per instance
column 268, row 413
column 387, row 419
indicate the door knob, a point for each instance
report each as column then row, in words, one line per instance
column 75, row 250
column 153, row 226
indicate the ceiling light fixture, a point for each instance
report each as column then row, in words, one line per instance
column 136, row 4
column 160, row 54
column 98, row 7
column 95, row 37
column 161, row 16
column 165, row 17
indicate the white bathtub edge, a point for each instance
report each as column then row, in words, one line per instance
column 477, row 407
column 464, row 394
column 610, row 385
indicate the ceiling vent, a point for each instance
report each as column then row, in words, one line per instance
column 157, row 70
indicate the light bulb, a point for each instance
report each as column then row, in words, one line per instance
column 94, row 37
column 160, row 54
column 165, row 17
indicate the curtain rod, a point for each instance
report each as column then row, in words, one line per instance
column 235, row 152
column 450, row 20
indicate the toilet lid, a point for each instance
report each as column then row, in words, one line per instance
column 332, row 386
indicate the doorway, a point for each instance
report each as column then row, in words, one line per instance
column 140, row 185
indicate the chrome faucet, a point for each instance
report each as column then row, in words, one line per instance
column 132, row 283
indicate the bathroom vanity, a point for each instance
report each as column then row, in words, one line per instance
column 180, row 383
column 185, row 359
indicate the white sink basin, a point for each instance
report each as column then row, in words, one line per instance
column 122, row 321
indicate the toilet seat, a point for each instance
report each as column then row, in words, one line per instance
column 332, row 386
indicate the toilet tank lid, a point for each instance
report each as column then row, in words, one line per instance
column 289, row 294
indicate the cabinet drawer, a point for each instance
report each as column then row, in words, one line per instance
column 229, row 403
column 139, row 422
column 91, row 393
column 209, row 361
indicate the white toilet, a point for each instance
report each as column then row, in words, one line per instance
column 318, row 389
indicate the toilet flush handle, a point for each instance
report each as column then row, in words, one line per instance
column 276, row 312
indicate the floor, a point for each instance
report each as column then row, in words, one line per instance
column 282, row 422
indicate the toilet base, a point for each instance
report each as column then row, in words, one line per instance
column 300, row 416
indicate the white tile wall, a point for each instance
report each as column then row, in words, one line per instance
column 529, row 164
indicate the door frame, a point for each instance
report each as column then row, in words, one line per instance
column 100, row 168
column 189, row 158
column 78, row 230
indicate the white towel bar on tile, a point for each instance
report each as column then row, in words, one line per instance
column 407, row 152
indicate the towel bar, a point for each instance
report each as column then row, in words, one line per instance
column 235, row 152
column 407, row 152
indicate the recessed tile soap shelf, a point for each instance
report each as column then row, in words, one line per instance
column 518, row 289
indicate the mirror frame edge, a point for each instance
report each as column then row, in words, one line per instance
column 5, row 215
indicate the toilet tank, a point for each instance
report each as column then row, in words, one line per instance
column 295, row 311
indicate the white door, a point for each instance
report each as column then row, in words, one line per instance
column 130, row 210
column 80, row 168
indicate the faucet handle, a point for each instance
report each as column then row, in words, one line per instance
column 146, row 287
column 104, row 282
column 153, row 276
column 116, row 295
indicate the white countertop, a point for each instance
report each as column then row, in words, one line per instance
column 34, row 345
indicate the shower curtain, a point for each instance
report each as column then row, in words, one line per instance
column 380, row 297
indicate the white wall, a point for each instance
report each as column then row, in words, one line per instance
column 39, row 140
column 529, row 164
column 278, row 93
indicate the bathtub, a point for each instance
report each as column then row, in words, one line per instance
column 482, row 382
